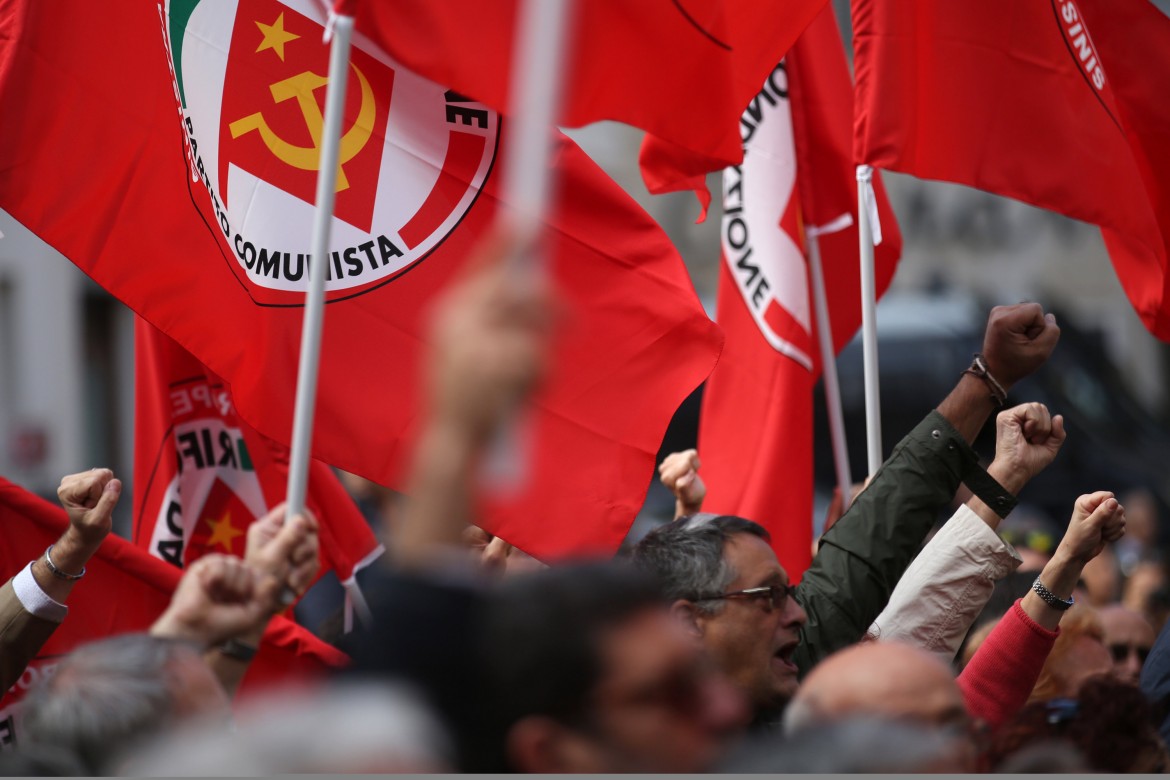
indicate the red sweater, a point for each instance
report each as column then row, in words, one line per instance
column 1002, row 673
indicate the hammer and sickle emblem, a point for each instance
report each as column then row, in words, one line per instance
column 302, row 86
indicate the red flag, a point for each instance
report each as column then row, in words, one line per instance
column 680, row 69
column 755, row 434
column 202, row 475
column 1021, row 100
column 98, row 159
column 125, row 590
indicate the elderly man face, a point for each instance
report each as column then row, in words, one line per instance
column 753, row 636
column 1129, row 637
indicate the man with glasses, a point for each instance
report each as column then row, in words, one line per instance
column 737, row 600
column 714, row 569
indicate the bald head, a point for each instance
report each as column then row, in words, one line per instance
column 1129, row 637
column 885, row 679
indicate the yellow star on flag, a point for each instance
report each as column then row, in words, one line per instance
column 275, row 36
column 223, row 532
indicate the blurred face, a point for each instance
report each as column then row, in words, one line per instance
column 1129, row 638
column 1086, row 657
column 749, row 639
column 660, row 706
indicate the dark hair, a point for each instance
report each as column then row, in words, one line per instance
column 543, row 636
column 686, row 555
column 485, row 657
column 1109, row 722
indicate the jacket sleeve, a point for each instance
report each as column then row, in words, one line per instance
column 22, row 634
column 947, row 586
column 1004, row 670
column 865, row 553
column 1155, row 680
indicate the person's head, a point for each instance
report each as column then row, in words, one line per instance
column 890, row 681
column 1033, row 534
column 355, row 726
column 1078, row 654
column 1108, row 722
column 879, row 679
column 106, row 695
column 1129, row 637
column 723, row 580
column 592, row 674
column 862, row 744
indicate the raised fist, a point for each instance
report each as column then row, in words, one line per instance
column 679, row 472
column 1018, row 340
column 89, row 499
column 1027, row 439
column 1097, row 518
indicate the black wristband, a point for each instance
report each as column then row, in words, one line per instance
column 988, row 490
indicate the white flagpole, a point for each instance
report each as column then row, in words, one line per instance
column 302, row 439
column 869, row 230
column 537, row 61
column 829, row 363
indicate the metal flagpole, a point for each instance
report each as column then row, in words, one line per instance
column 869, row 230
column 537, row 60
column 302, row 439
column 829, row 363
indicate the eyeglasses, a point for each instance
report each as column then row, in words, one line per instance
column 1121, row 652
column 776, row 595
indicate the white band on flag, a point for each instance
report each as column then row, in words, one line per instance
column 833, row 226
column 354, row 598
column 865, row 177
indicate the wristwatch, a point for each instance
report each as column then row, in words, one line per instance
column 1050, row 598
column 241, row 651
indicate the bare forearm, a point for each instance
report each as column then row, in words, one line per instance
column 967, row 407
column 229, row 670
column 440, row 503
column 1060, row 576
column 70, row 554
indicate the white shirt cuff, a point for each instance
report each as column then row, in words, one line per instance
column 34, row 599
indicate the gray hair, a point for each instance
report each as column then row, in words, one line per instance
column 355, row 726
column 104, row 695
column 858, row 744
column 686, row 556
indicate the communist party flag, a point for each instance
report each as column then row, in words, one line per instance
column 202, row 475
column 168, row 151
column 125, row 590
column 1057, row 103
column 756, row 423
column 681, row 69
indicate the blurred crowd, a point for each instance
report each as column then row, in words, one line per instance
column 1000, row 641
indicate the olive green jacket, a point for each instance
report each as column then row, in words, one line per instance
column 863, row 555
